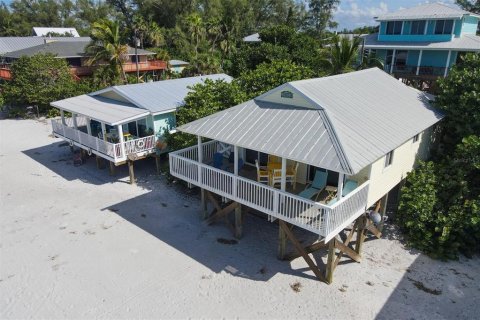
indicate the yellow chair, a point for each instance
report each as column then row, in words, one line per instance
column 274, row 159
column 262, row 174
column 291, row 175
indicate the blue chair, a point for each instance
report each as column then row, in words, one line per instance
column 218, row 160
column 348, row 187
column 318, row 184
column 239, row 166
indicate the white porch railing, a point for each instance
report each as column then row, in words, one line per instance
column 327, row 221
column 81, row 121
column 140, row 145
column 105, row 149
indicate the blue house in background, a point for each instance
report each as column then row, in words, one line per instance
column 423, row 42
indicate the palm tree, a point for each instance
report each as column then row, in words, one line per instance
column 343, row 53
column 149, row 32
column 195, row 27
column 370, row 61
column 106, row 46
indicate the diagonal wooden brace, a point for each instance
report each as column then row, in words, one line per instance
column 345, row 244
column 301, row 251
column 219, row 213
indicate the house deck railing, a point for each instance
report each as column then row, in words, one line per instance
column 411, row 70
column 108, row 150
column 324, row 220
column 148, row 65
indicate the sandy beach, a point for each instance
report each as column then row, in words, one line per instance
column 76, row 242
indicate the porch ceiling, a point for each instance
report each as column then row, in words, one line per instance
column 102, row 109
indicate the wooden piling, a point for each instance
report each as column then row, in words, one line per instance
column 99, row 161
column 157, row 164
column 203, row 204
column 112, row 168
column 130, row 171
column 330, row 261
column 360, row 234
column 238, row 221
column 282, row 243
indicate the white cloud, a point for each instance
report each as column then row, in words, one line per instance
column 355, row 11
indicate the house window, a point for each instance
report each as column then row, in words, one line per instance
column 389, row 159
column 443, row 27
column 394, row 27
column 418, row 27
column 286, row 94
column 416, row 138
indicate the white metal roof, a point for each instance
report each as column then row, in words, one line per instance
column 467, row 42
column 160, row 96
column 41, row 32
column 352, row 120
column 10, row 44
column 426, row 11
column 252, row 38
column 64, row 49
column 110, row 111
column 177, row 62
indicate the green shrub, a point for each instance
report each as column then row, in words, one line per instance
column 53, row 112
column 439, row 208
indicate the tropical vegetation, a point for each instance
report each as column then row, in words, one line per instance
column 440, row 202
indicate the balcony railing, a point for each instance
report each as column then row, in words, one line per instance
column 324, row 220
column 111, row 151
column 411, row 70
column 148, row 65
column 5, row 72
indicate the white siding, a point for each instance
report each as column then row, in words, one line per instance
column 114, row 96
column 405, row 158
column 297, row 99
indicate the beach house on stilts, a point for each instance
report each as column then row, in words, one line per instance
column 315, row 154
column 125, row 123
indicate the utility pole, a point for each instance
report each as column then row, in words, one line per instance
column 137, row 40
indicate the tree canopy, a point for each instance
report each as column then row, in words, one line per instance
column 40, row 79
column 440, row 202
column 206, row 33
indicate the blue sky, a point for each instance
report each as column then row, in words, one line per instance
column 356, row 13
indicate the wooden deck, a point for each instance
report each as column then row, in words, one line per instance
column 324, row 220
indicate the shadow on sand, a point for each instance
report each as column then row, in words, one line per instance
column 431, row 289
column 59, row 158
column 177, row 223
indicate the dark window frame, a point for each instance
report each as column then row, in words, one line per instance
column 445, row 25
column 394, row 30
column 418, row 27
column 389, row 159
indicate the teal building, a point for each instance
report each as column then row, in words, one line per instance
column 424, row 41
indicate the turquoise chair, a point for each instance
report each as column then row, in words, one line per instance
column 348, row 187
column 318, row 184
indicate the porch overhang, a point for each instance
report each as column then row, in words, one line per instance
column 108, row 111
